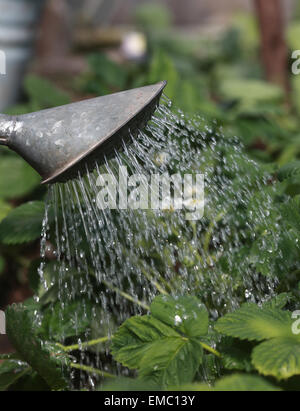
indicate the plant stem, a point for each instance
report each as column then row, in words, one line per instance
column 127, row 296
column 210, row 349
column 155, row 283
column 85, row 344
column 92, row 370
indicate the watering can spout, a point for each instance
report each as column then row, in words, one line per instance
column 60, row 142
column 5, row 131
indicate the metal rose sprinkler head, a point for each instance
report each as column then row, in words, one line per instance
column 61, row 141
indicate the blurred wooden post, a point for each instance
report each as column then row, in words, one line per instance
column 273, row 45
column 55, row 41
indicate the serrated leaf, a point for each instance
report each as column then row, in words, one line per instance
column 280, row 301
column 17, row 178
column 235, row 359
column 134, row 337
column 31, row 381
column 289, row 170
column 161, row 350
column 23, row 224
column 243, row 382
column 255, row 324
column 44, row 358
column 171, row 361
column 11, row 371
column 186, row 314
column 67, row 319
column 157, row 351
column 279, row 357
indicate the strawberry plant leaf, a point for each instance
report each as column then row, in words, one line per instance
column 135, row 336
column 157, row 351
column 67, row 319
column 17, row 178
column 255, row 324
column 185, row 314
column 279, row 357
column 162, row 347
column 44, row 358
column 23, row 224
column 280, row 301
column 289, row 170
column 171, row 361
column 243, row 382
column 11, row 371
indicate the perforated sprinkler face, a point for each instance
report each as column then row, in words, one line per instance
column 61, row 141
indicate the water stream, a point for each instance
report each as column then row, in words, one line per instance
column 115, row 261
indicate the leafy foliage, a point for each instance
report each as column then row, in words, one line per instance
column 47, row 360
column 240, row 382
column 279, row 355
column 164, row 346
column 23, row 224
column 18, row 178
column 10, row 372
column 255, row 324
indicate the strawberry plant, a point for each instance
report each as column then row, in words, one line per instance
column 175, row 345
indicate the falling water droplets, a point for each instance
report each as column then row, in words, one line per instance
column 118, row 260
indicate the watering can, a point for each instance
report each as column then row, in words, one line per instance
column 60, row 142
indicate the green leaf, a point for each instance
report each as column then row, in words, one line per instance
column 171, row 361
column 67, row 319
column 31, row 381
column 135, row 336
column 185, row 314
column 166, row 351
column 17, row 178
column 255, row 324
column 251, row 93
column 43, row 94
column 44, row 358
column 280, row 301
column 11, row 371
column 279, row 357
column 242, row 382
column 23, row 224
column 289, row 170
column 4, row 209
